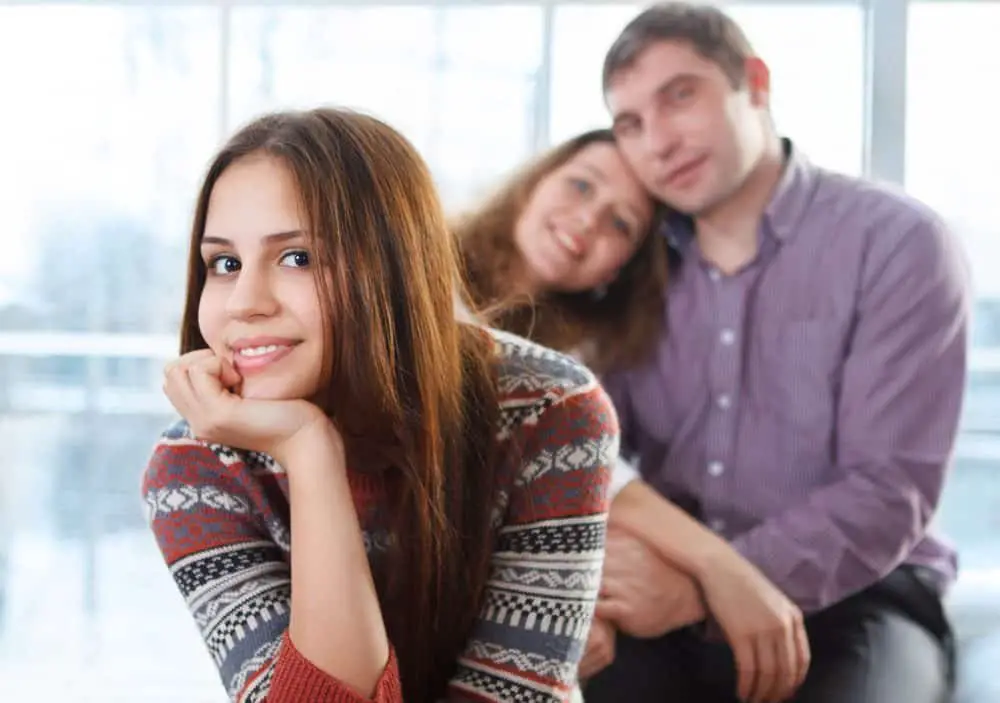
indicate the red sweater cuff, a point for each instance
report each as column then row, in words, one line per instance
column 298, row 680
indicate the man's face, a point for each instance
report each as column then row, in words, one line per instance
column 689, row 135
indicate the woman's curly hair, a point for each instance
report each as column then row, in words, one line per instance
column 616, row 330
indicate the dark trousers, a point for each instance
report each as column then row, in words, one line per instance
column 888, row 644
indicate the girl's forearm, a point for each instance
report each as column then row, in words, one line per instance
column 672, row 533
column 336, row 621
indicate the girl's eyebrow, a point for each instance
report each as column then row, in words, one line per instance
column 270, row 239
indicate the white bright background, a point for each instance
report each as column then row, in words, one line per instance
column 109, row 112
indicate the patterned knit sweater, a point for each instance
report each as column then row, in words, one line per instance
column 221, row 519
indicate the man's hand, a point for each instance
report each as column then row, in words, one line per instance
column 763, row 627
column 642, row 594
column 600, row 651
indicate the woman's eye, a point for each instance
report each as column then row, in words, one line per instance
column 297, row 259
column 623, row 227
column 580, row 185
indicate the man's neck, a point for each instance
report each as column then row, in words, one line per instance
column 727, row 234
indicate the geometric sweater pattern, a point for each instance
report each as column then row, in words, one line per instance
column 220, row 517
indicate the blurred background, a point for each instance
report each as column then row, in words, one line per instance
column 109, row 112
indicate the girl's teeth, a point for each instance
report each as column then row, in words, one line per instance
column 258, row 351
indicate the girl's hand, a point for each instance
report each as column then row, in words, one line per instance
column 198, row 385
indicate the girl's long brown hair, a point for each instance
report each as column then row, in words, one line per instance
column 412, row 391
column 616, row 330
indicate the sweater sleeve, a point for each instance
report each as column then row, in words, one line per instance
column 208, row 515
column 546, row 569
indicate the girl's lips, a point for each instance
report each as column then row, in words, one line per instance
column 251, row 359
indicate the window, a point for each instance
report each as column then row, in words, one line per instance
column 580, row 38
column 459, row 82
column 951, row 158
column 105, row 135
column 817, row 101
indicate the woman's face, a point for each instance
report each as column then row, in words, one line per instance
column 260, row 306
column 582, row 222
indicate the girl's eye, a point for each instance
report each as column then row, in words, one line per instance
column 223, row 265
column 296, row 259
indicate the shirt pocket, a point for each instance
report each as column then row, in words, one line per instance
column 798, row 378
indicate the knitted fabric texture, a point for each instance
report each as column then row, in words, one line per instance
column 221, row 519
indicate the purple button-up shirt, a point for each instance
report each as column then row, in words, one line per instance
column 806, row 407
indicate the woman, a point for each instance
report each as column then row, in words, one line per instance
column 563, row 249
column 407, row 477
column 573, row 236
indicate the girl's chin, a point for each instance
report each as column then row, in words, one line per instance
column 271, row 389
column 264, row 391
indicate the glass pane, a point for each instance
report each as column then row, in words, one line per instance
column 110, row 114
column 816, row 101
column 951, row 156
column 96, row 186
column 459, row 82
column 939, row 149
column 581, row 35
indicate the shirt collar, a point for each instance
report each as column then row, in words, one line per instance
column 783, row 214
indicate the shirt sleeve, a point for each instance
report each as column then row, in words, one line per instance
column 545, row 573
column 899, row 404
column 623, row 472
column 202, row 506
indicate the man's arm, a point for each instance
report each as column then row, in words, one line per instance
column 898, row 412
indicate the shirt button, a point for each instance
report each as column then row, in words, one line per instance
column 716, row 468
column 727, row 337
column 714, row 274
column 717, row 524
column 724, row 401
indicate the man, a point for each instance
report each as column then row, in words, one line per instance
column 803, row 411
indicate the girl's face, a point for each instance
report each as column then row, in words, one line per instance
column 260, row 306
column 583, row 222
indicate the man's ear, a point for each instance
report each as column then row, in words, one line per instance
column 758, row 78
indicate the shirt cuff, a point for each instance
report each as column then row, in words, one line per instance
column 622, row 473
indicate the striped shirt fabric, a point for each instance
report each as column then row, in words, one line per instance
column 806, row 406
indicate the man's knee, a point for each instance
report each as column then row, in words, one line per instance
column 883, row 657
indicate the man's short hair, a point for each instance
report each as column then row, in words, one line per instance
column 711, row 32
